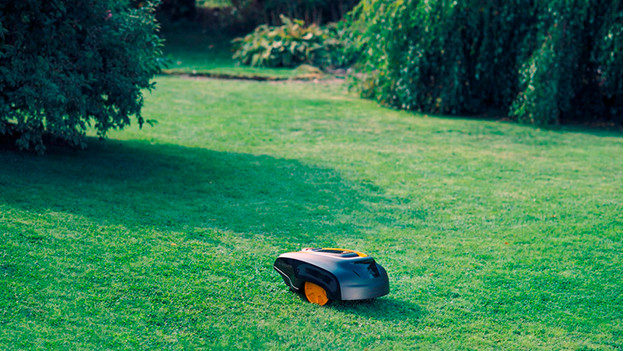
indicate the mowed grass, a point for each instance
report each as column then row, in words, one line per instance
column 494, row 235
column 194, row 52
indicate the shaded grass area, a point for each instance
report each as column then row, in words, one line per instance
column 210, row 54
column 494, row 235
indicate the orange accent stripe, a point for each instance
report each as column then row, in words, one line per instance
column 346, row 250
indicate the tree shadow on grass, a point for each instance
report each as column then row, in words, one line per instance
column 140, row 194
column 178, row 188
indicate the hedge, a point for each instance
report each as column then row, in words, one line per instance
column 543, row 62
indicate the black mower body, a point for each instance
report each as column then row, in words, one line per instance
column 344, row 274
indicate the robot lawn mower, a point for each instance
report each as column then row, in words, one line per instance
column 325, row 275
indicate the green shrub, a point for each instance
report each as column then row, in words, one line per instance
column 573, row 74
column 544, row 62
column 68, row 65
column 290, row 45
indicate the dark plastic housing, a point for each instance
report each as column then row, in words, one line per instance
column 345, row 275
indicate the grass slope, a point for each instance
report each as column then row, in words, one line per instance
column 495, row 235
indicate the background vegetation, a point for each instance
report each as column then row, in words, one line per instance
column 66, row 68
column 310, row 11
column 292, row 44
column 246, row 14
column 541, row 62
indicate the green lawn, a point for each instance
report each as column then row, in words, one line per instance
column 210, row 54
column 494, row 235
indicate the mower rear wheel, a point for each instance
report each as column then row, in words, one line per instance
column 315, row 294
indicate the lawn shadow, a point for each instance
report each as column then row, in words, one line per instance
column 178, row 188
column 380, row 309
column 383, row 309
column 598, row 130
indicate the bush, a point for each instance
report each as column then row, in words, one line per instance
column 573, row 74
column 290, row 45
column 544, row 62
column 68, row 65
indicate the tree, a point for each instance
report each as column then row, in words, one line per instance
column 544, row 62
column 68, row 65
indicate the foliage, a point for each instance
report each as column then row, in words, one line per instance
column 340, row 51
column 175, row 10
column 67, row 65
column 213, row 3
column 310, row 11
column 545, row 62
column 289, row 45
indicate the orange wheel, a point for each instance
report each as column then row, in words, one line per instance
column 315, row 294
